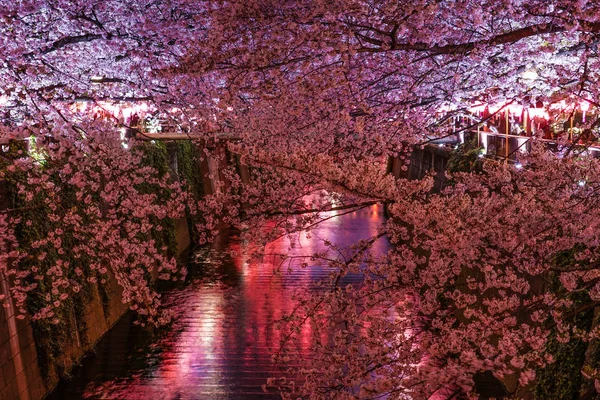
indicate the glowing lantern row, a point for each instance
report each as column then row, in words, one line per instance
column 114, row 109
column 533, row 112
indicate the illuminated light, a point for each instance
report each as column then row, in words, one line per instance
column 441, row 145
column 127, row 112
column 5, row 148
column 538, row 113
column 585, row 105
column 125, row 145
column 81, row 106
column 484, row 141
column 530, row 75
column 518, row 165
column 516, row 109
column 559, row 105
column 481, row 155
column 581, row 183
column 494, row 108
column 96, row 79
column 521, row 142
column 34, row 152
column 476, row 109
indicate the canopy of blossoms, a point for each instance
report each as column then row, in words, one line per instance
column 482, row 277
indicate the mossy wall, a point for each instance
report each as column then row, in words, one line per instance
column 48, row 350
column 563, row 379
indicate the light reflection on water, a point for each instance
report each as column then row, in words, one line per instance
column 221, row 342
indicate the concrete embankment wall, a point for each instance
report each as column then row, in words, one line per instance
column 20, row 372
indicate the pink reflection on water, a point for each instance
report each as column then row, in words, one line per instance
column 221, row 343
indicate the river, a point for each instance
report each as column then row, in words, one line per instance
column 221, row 341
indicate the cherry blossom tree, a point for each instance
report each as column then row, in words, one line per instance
column 482, row 276
column 318, row 95
column 99, row 204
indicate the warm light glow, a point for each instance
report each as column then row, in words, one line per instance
column 522, row 144
column 493, row 108
column 530, row 75
column 585, row 105
column 559, row 105
column 484, row 141
column 515, row 109
column 477, row 109
column 538, row 113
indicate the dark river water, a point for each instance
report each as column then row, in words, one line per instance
column 221, row 341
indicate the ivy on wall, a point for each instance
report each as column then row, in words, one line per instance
column 65, row 328
column 465, row 158
column 562, row 380
column 155, row 155
column 189, row 172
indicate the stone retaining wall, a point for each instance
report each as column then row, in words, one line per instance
column 20, row 375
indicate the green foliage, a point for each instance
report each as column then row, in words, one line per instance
column 189, row 170
column 52, row 338
column 465, row 158
column 66, row 328
column 562, row 379
column 16, row 149
column 155, row 155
